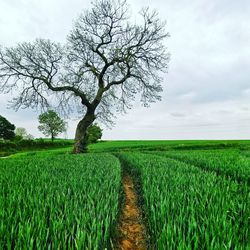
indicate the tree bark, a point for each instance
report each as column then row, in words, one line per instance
column 81, row 132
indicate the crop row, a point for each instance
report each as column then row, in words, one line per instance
column 188, row 208
column 226, row 162
column 58, row 202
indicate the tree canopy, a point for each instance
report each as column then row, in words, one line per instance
column 51, row 124
column 21, row 133
column 106, row 62
column 6, row 129
column 94, row 133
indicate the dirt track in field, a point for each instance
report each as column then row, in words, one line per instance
column 131, row 229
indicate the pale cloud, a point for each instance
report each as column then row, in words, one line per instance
column 207, row 90
column 178, row 114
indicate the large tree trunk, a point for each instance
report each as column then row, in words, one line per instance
column 81, row 132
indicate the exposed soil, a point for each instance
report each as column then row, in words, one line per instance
column 132, row 232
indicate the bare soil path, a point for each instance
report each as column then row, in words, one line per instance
column 132, row 232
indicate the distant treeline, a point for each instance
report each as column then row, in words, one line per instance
column 10, row 147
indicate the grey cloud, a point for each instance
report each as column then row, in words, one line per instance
column 178, row 114
column 245, row 108
column 224, row 112
column 208, row 81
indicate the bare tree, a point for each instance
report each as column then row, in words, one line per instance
column 106, row 61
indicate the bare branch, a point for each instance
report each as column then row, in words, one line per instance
column 105, row 63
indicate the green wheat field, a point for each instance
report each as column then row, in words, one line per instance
column 194, row 195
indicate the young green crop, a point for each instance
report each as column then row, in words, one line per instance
column 188, row 208
column 139, row 145
column 58, row 202
column 226, row 162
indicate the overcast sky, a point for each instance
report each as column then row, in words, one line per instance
column 207, row 89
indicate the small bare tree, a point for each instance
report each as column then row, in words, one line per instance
column 106, row 61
